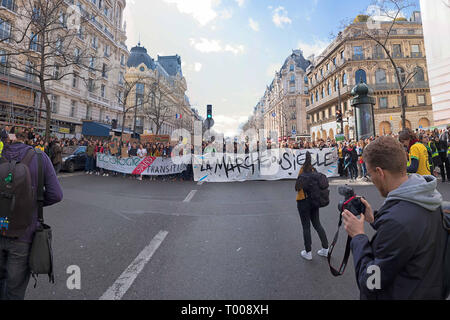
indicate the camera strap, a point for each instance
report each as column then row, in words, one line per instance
column 341, row 271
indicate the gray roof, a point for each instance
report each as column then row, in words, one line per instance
column 172, row 64
column 300, row 61
column 138, row 56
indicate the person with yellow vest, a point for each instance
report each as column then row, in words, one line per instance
column 418, row 153
column 3, row 137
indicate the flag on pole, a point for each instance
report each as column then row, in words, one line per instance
column 178, row 116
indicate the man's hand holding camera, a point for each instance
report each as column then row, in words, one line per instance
column 354, row 225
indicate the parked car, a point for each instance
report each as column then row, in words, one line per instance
column 75, row 160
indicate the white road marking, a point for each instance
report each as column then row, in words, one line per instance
column 126, row 279
column 190, row 196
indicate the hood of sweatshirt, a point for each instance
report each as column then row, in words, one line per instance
column 16, row 151
column 420, row 190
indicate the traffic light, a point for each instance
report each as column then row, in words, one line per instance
column 339, row 116
column 209, row 111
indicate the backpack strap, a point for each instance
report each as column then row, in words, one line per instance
column 40, row 189
column 28, row 157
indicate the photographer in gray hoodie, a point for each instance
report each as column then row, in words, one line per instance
column 408, row 247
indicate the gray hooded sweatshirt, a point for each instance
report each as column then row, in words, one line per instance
column 420, row 190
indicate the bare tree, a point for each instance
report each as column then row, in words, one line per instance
column 44, row 44
column 160, row 108
column 125, row 97
column 379, row 28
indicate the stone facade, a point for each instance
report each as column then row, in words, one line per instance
column 141, row 67
column 348, row 60
column 72, row 99
column 284, row 102
column 436, row 26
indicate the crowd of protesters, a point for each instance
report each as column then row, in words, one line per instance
column 351, row 164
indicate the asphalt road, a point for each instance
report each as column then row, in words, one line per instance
column 180, row 240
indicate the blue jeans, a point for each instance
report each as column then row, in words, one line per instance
column 14, row 270
column 89, row 166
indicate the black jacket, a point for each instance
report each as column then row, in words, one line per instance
column 409, row 249
column 353, row 154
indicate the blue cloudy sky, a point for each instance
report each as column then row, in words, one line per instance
column 231, row 48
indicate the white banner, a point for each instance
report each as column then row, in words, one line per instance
column 273, row 164
column 149, row 166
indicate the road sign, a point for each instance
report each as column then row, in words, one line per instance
column 294, row 132
column 208, row 123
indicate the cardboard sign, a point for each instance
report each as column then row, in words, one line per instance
column 124, row 153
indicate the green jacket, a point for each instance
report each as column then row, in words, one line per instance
column 90, row 151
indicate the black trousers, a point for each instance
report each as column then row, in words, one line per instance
column 445, row 166
column 308, row 215
column 14, row 270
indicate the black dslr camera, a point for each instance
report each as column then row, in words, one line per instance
column 351, row 202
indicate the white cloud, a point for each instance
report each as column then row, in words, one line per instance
column 201, row 10
column 280, row 17
column 316, row 48
column 228, row 125
column 240, row 3
column 226, row 14
column 197, row 67
column 239, row 49
column 253, row 24
column 211, row 46
column 205, row 45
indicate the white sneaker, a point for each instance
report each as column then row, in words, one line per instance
column 323, row 252
column 307, row 255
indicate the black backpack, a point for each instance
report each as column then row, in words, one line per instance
column 18, row 199
column 316, row 187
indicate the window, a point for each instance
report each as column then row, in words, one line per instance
column 73, row 109
column 329, row 89
column 140, row 88
column 56, row 72
column 291, row 68
column 104, row 72
column 3, row 62
column 358, row 53
column 344, row 79
column 419, row 76
column 380, row 76
column 54, row 103
column 378, row 52
column 89, row 112
column 360, row 76
column 342, row 56
column 91, row 86
column 121, row 78
column 421, row 100
column 75, row 80
column 102, row 90
column 402, row 75
column 91, row 63
column 383, row 103
column 334, row 62
column 5, row 30
column 34, row 42
column 323, row 93
column 312, row 99
column 415, row 51
column 397, row 51
column 29, row 72
column 9, row 4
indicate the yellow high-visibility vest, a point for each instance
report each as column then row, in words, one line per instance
column 1, row 148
